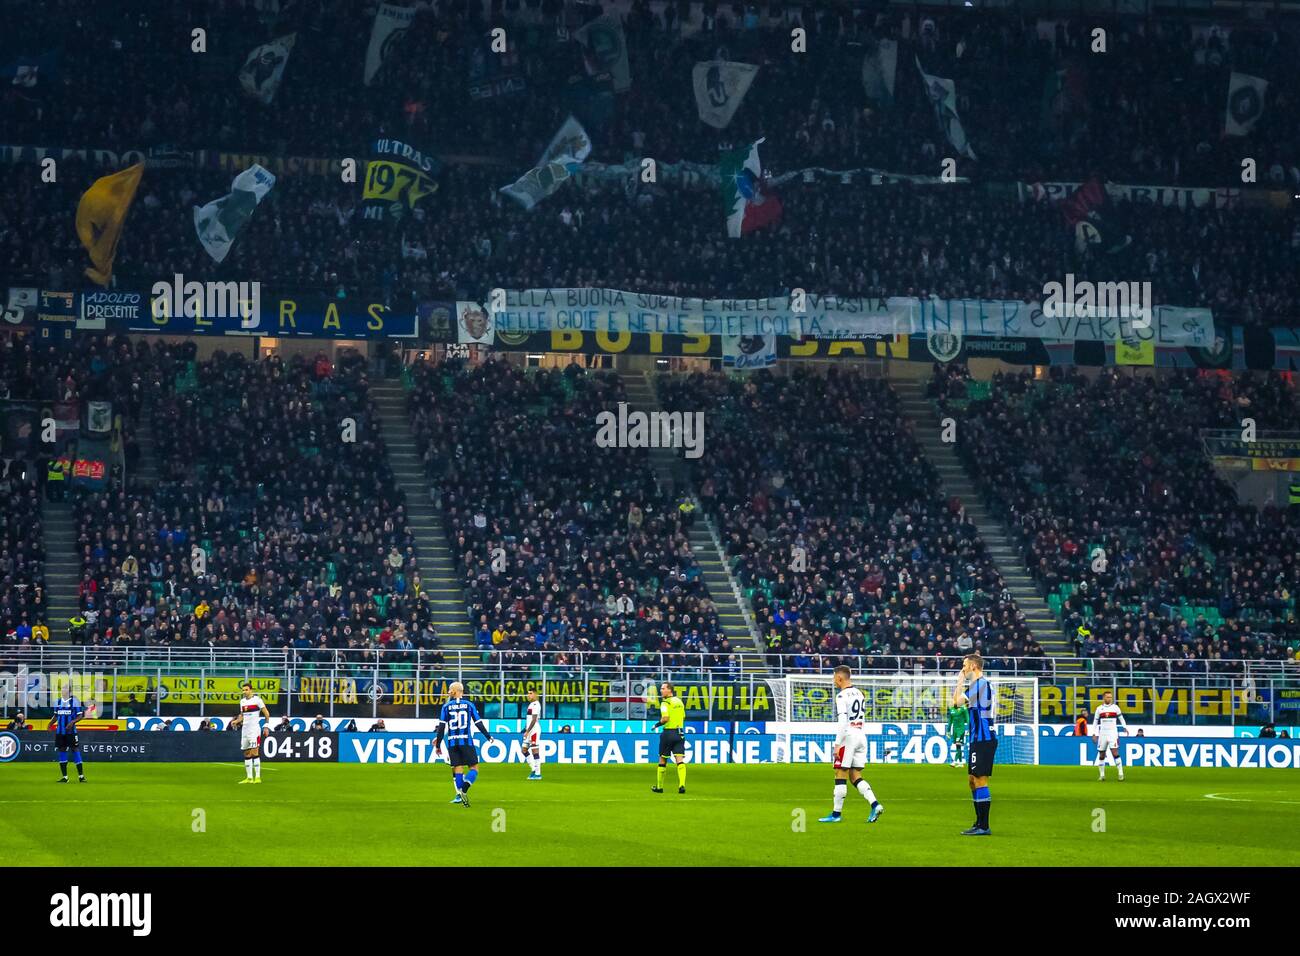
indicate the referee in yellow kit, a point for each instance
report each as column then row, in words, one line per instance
column 672, row 718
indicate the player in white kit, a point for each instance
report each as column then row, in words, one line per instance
column 850, row 747
column 249, row 721
column 1106, row 723
column 533, row 736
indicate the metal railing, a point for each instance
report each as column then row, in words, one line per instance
column 146, row 696
column 78, row 657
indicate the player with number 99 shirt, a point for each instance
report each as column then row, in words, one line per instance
column 850, row 747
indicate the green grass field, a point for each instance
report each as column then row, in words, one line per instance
column 360, row 815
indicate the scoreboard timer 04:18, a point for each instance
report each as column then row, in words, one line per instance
column 304, row 747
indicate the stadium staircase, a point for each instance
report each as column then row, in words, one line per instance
column 146, row 469
column 673, row 479
column 926, row 426
column 62, row 567
column 432, row 550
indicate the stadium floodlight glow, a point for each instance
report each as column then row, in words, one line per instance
column 905, row 717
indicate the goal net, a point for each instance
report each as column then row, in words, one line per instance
column 906, row 718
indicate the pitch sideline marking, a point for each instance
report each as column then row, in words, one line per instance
column 1220, row 796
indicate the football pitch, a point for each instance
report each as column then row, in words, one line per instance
column 139, row 814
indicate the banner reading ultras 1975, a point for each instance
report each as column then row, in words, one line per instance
column 828, row 317
column 397, row 177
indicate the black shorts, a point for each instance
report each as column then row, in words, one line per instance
column 462, row 755
column 979, row 760
column 672, row 742
column 66, row 741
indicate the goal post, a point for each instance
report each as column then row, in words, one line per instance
column 906, row 717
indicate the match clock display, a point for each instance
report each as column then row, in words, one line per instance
column 301, row 747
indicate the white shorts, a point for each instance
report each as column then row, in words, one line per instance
column 248, row 736
column 1108, row 743
column 853, row 754
column 534, row 738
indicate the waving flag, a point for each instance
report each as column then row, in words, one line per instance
column 943, row 97
column 264, row 67
column 1245, row 103
column 749, row 206
column 100, row 216
column 391, row 23
column 220, row 221
column 568, row 150
column 26, row 71
column 1094, row 222
column 604, row 50
column 879, row 68
column 720, row 88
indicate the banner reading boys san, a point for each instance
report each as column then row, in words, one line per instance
column 614, row 312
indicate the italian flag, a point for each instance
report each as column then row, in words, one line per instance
column 748, row 207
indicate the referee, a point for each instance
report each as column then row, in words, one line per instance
column 977, row 698
column 672, row 717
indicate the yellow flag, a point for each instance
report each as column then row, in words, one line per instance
column 100, row 215
column 1135, row 351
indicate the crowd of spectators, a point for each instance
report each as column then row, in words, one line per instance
column 39, row 380
column 1153, row 114
column 834, row 522
column 1120, row 516
column 1147, row 108
column 277, row 521
column 956, row 243
column 563, row 545
column 22, row 553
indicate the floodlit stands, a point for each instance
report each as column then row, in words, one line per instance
column 827, row 465
column 1115, row 463
column 592, row 556
column 301, row 528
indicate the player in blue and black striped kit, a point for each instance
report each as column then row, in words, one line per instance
column 67, row 711
column 979, row 702
column 457, row 720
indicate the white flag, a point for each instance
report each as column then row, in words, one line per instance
column 879, row 68
column 219, row 221
column 1245, row 103
column 568, row 150
column 99, row 416
column 749, row 351
column 720, row 86
column 943, row 96
column 390, row 26
column 262, row 70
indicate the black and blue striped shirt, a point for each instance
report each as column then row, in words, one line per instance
column 979, row 704
column 459, row 716
column 67, row 711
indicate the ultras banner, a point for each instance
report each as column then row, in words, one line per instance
column 824, row 317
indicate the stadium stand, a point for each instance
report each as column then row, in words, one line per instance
column 1114, row 462
column 825, row 464
column 589, row 554
column 300, row 530
column 1152, row 114
column 1161, row 95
